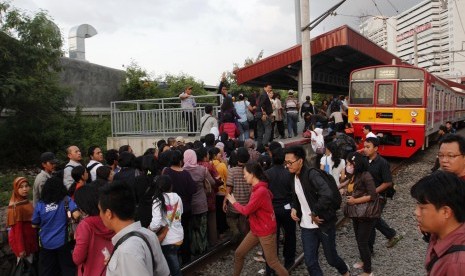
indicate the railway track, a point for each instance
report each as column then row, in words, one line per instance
column 221, row 249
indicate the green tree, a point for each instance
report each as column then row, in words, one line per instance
column 139, row 84
column 30, row 94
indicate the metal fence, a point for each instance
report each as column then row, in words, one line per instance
column 161, row 117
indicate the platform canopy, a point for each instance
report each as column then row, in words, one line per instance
column 334, row 55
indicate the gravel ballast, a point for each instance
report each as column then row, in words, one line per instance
column 406, row 258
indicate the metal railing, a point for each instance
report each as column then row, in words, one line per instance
column 161, row 117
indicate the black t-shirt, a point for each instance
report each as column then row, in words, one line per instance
column 380, row 170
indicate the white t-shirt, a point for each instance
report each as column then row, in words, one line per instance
column 371, row 134
column 306, row 219
column 335, row 172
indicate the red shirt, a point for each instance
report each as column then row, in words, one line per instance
column 450, row 264
column 260, row 211
column 22, row 237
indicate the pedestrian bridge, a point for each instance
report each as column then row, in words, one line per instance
column 156, row 117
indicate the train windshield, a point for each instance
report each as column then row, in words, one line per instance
column 410, row 93
column 361, row 92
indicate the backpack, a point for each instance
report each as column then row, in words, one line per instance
column 336, row 199
column 61, row 173
column 345, row 145
column 89, row 178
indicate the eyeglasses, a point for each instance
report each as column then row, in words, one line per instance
column 289, row 163
column 448, row 156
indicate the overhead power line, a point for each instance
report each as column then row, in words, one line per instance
column 397, row 11
column 376, row 5
column 460, row 17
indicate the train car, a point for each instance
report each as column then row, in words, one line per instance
column 404, row 105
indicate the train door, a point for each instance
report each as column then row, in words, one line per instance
column 384, row 107
column 430, row 94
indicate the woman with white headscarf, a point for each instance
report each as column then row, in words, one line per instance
column 198, row 224
column 318, row 144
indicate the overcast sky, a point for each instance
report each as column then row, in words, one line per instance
column 201, row 38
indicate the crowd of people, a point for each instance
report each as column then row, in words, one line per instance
column 119, row 214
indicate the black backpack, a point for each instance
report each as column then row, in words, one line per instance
column 89, row 179
column 345, row 145
column 336, row 199
column 60, row 173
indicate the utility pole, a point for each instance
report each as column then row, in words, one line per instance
column 306, row 52
column 298, row 40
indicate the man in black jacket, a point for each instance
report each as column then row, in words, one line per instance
column 263, row 116
column 279, row 183
column 312, row 207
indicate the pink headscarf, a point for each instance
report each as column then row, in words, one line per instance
column 190, row 159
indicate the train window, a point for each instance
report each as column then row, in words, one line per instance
column 411, row 73
column 410, row 93
column 385, row 92
column 361, row 92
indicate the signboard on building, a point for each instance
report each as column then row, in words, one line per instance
column 417, row 30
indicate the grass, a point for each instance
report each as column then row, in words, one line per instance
column 6, row 185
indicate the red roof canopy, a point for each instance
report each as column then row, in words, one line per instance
column 334, row 55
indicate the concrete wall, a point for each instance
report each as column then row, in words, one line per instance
column 92, row 86
column 140, row 144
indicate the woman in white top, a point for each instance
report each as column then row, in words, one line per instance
column 332, row 163
column 166, row 211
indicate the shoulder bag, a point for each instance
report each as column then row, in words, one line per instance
column 203, row 124
column 370, row 209
column 206, row 184
column 123, row 239
column 161, row 233
column 249, row 114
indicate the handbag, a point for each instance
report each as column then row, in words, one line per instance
column 71, row 222
column 249, row 114
column 161, row 233
column 23, row 268
column 370, row 209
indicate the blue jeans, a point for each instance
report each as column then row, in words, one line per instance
column 244, row 129
column 292, row 123
column 170, row 252
column 311, row 239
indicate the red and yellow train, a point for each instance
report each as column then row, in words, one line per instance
column 404, row 105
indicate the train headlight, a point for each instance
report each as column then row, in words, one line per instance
column 413, row 113
column 356, row 112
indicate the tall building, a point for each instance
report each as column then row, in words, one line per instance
column 380, row 29
column 439, row 29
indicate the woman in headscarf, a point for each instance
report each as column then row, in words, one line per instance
column 22, row 237
column 318, row 141
column 198, row 225
column 249, row 144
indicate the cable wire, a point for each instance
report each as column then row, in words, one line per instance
column 460, row 17
column 397, row 11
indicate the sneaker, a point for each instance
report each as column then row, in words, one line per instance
column 259, row 259
column 259, row 253
column 393, row 241
column 358, row 265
